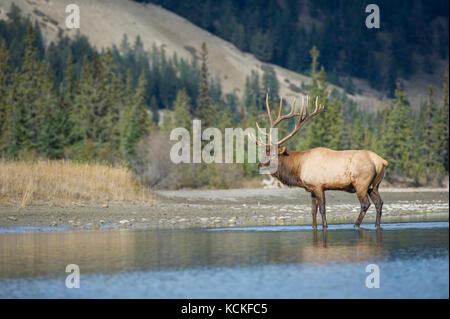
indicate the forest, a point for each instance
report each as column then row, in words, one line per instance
column 71, row 101
column 413, row 35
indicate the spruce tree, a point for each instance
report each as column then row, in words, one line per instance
column 270, row 82
column 397, row 141
column 368, row 140
column 442, row 130
column 138, row 119
column 49, row 140
column 204, row 110
column 65, row 103
column 428, row 146
column 82, row 108
column 124, row 120
column 326, row 129
column 116, row 110
column 4, row 79
column 253, row 93
column 30, row 94
column 357, row 133
column 181, row 116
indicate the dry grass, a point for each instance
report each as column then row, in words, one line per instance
column 67, row 183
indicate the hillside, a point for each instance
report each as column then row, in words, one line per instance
column 411, row 42
column 105, row 22
column 70, row 100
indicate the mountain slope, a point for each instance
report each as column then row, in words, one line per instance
column 105, row 21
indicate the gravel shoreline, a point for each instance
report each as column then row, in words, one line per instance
column 226, row 208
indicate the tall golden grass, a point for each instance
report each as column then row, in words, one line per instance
column 67, row 183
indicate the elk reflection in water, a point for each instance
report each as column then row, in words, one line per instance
column 364, row 249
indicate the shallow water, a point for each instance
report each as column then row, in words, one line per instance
column 246, row 262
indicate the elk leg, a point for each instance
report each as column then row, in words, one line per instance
column 315, row 203
column 321, row 197
column 365, row 204
column 376, row 199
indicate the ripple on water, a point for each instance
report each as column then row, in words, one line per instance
column 399, row 279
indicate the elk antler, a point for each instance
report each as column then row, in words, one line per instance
column 303, row 117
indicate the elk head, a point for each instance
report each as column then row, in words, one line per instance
column 303, row 117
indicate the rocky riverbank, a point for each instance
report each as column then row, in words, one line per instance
column 225, row 208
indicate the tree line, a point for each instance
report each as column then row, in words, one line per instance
column 70, row 101
column 412, row 38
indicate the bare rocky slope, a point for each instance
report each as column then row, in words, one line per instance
column 105, row 22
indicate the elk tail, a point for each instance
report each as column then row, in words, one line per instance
column 380, row 166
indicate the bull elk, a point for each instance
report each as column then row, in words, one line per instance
column 320, row 169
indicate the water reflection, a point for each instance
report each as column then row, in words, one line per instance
column 365, row 248
column 47, row 254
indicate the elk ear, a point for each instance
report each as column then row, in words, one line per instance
column 282, row 151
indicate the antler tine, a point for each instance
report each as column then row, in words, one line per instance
column 300, row 118
column 304, row 116
column 307, row 105
column 301, row 121
column 268, row 110
column 303, row 106
column 261, row 130
column 252, row 137
column 259, row 141
column 280, row 110
column 293, row 106
column 287, row 116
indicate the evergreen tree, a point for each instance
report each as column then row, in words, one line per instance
column 253, row 93
column 368, row 140
column 81, row 108
column 115, row 112
column 204, row 109
column 31, row 97
column 138, row 119
column 325, row 130
column 49, row 141
column 270, row 82
column 181, row 116
column 357, row 134
column 4, row 82
column 261, row 45
column 441, row 129
column 428, row 146
column 397, row 143
column 15, row 134
column 125, row 112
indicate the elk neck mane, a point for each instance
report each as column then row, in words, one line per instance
column 288, row 168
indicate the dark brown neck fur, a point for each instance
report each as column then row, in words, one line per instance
column 289, row 168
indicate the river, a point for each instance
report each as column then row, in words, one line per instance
column 412, row 261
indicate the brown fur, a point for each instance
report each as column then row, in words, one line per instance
column 321, row 169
